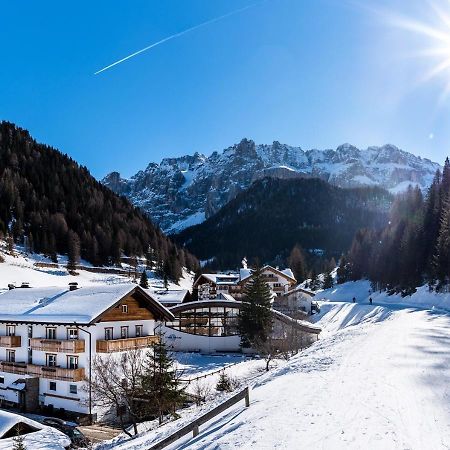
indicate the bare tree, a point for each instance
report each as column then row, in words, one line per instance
column 116, row 385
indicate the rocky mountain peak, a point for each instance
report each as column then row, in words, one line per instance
column 183, row 191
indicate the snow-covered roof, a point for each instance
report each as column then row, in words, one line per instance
column 45, row 438
column 221, row 278
column 301, row 289
column 170, row 296
column 246, row 273
column 60, row 305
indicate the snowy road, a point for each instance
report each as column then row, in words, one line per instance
column 380, row 384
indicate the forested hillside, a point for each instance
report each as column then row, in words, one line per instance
column 413, row 248
column 274, row 215
column 53, row 205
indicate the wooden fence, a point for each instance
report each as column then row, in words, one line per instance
column 193, row 427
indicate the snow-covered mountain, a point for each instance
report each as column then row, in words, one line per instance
column 180, row 192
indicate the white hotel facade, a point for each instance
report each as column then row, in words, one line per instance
column 48, row 336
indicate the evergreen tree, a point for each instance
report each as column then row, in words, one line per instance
column 144, row 280
column 19, row 442
column 160, row 382
column 255, row 320
column 224, row 383
column 73, row 254
column 328, row 281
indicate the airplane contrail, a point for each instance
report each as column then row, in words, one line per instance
column 173, row 36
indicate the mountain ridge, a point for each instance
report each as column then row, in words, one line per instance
column 184, row 191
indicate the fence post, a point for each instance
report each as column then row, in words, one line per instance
column 247, row 397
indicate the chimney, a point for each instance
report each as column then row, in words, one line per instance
column 73, row 286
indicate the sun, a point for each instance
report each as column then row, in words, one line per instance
column 435, row 31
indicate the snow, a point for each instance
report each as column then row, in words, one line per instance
column 20, row 268
column 46, row 438
column 362, row 291
column 376, row 379
column 60, row 305
column 193, row 219
column 403, row 186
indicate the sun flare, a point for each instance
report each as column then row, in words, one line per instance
column 435, row 31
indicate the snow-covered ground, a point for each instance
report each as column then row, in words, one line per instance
column 377, row 379
column 20, row 269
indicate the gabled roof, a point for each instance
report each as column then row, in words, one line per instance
column 300, row 289
column 170, row 296
column 58, row 305
column 43, row 437
column 285, row 273
column 219, row 278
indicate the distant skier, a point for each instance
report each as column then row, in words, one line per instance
column 370, row 300
column 354, row 300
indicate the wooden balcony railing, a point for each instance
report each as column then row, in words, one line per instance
column 57, row 345
column 54, row 373
column 121, row 345
column 10, row 341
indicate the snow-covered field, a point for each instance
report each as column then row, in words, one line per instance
column 20, row 269
column 377, row 379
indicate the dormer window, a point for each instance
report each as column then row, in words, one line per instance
column 125, row 309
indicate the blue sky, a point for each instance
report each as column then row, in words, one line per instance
column 314, row 73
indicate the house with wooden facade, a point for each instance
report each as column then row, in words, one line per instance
column 49, row 336
column 211, row 286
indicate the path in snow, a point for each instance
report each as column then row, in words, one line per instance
column 383, row 384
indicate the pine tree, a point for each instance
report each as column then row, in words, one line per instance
column 73, row 255
column 19, row 442
column 255, row 320
column 144, row 280
column 328, row 281
column 160, row 382
column 224, row 383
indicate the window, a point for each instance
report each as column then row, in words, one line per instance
column 30, row 355
column 50, row 333
column 52, row 386
column 125, row 309
column 108, row 334
column 10, row 330
column 11, row 355
column 30, row 331
column 72, row 362
column 72, row 333
column 124, row 332
column 51, row 359
column 2, row 380
column 139, row 330
column 73, row 388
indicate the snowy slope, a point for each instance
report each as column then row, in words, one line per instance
column 377, row 379
column 180, row 192
column 21, row 269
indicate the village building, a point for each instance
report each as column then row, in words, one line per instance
column 295, row 302
column 212, row 326
column 210, row 285
column 171, row 297
column 49, row 337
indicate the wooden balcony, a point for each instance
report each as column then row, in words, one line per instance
column 58, row 345
column 122, row 345
column 53, row 373
column 10, row 341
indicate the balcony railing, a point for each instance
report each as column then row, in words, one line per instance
column 121, row 345
column 54, row 373
column 57, row 345
column 10, row 341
